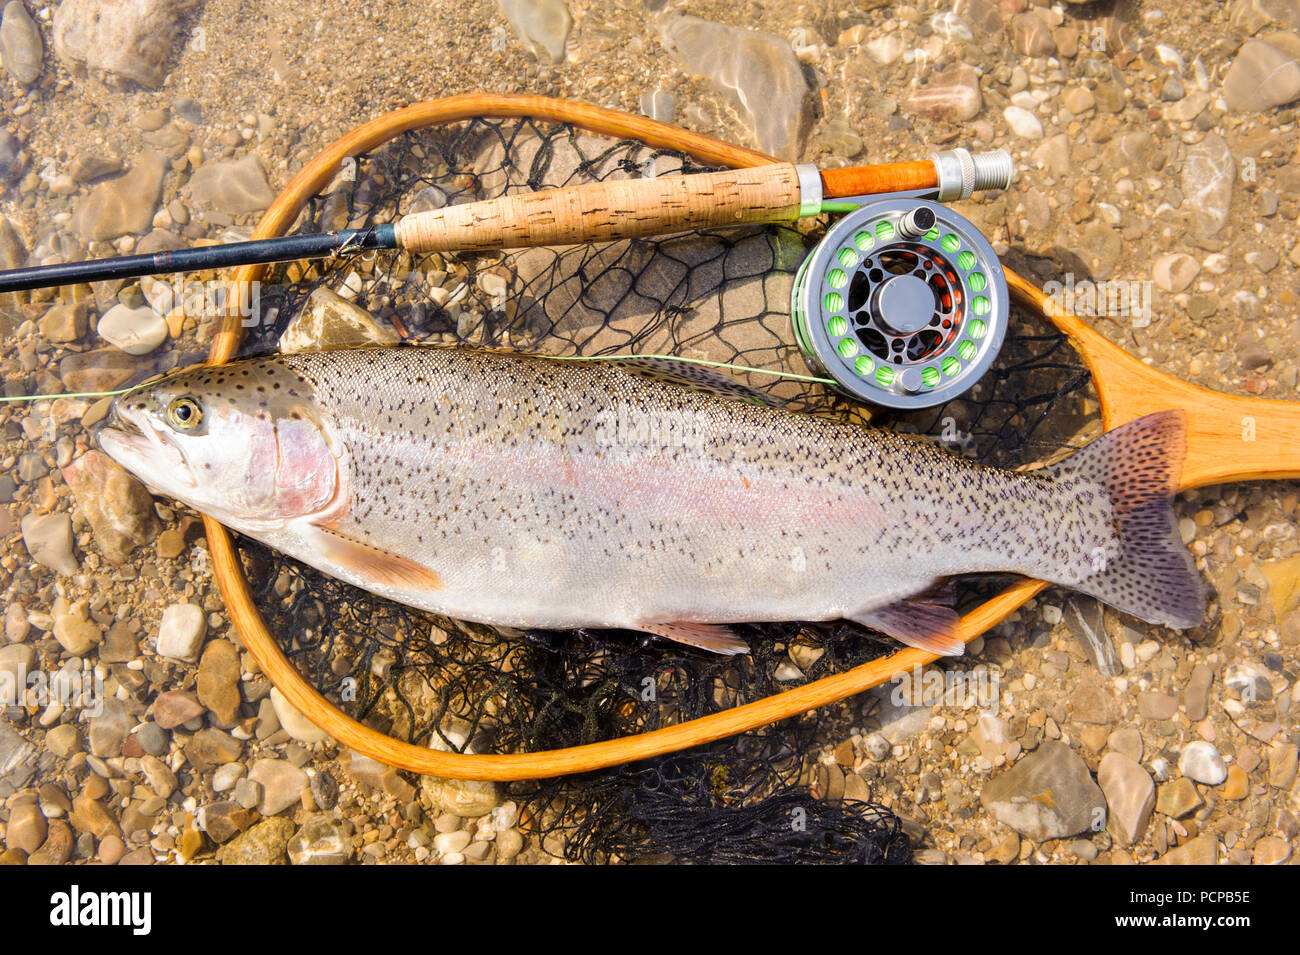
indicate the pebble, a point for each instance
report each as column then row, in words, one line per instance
column 1048, row 794
column 264, row 844
column 21, row 49
column 136, row 331
column 282, row 784
column 75, row 633
column 225, row 777
column 48, row 539
column 509, row 843
column 58, row 845
column 1157, row 706
column 1078, row 100
column 130, row 40
column 181, row 632
column 218, row 681
column 758, row 69
column 173, row 708
column 27, row 828
column 16, row 662
column 1130, row 797
column 223, row 819
column 17, row 627
column 1201, row 762
column 119, row 508
column 1203, row 850
column 64, row 322
column 1179, row 798
column 100, row 370
column 952, row 96
column 1023, row 123
column 330, row 321
column 161, row 778
column 1238, row 784
column 1030, row 36
column 124, row 205
column 293, row 722
column 320, row 841
column 108, row 730
column 235, row 187
column 1208, row 174
column 1282, row 765
column 1260, row 78
column 1174, row 271
column 63, row 740
column 543, row 25
column 885, row 49
column 1272, row 850
column 1196, row 695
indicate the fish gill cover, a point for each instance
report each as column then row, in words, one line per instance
column 720, row 296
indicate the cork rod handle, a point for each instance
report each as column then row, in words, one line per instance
column 601, row 211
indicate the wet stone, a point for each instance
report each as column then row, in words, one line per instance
column 282, row 784
column 1208, row 175
column 129, row 40
column 21, row 49
column 1260, row 78
column 172, row 708
column 118, row 507
column 759, row 70
column 543, row 26
column 1179, row 798
column 236, row 188
column 218, row 682
column 1048, row 794
column 136, row 331
column 1201, row 762
column 124, row 205
column 952, row 96
column 48, row 539
column 1157, row 706
column 320, row 841
column 1130, row 797
column 181, row 632
column 263, row 844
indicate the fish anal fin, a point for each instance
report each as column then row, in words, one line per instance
column 374, row 564
column 703, row 636
column 919, row 621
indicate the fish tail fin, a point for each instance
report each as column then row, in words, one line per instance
column 1138, row 465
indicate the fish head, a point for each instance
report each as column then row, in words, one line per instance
column 244, row 443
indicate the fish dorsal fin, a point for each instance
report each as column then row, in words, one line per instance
column 689, row 374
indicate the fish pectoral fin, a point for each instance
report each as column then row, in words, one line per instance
column 373, row 563
column 704, row 636
column 918, row 621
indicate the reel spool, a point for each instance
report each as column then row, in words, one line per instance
column 903, row 303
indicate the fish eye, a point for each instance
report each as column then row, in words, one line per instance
column 184, row 413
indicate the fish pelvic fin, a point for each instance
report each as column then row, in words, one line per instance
column 703, row 636
column 375, row 565
column 1139, row 465
column 925, row 621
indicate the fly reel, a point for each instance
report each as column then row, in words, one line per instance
column 903, row 304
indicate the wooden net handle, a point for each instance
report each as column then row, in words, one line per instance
column 604, row 211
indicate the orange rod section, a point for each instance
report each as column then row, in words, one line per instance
column 869, row 180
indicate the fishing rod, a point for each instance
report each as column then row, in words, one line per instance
column 597, row 211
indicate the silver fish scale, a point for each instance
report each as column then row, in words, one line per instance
column 573, row 493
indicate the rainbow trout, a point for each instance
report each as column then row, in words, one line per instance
column 531, row 492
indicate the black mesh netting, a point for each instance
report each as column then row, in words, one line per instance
column 721, row 296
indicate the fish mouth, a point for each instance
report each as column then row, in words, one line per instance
column 140, row 448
